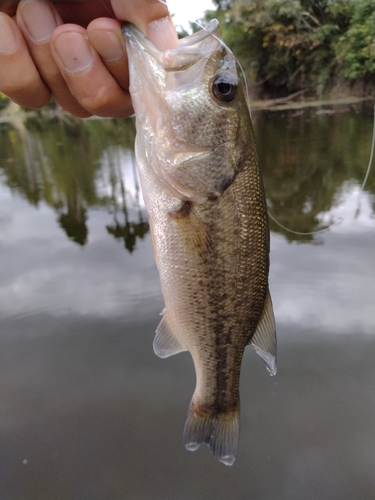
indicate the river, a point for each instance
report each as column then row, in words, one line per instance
column 88, row 412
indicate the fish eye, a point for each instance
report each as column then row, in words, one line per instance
column 223, row 90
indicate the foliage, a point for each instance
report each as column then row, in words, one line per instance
column 3, row 101
column 288, row 45
column 355, row 48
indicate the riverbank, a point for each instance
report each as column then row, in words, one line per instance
column 13, row 110
column 279, row 104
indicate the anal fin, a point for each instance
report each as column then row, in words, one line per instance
column 264, row 339
column 165, row 342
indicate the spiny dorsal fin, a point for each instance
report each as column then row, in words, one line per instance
column 165, row 342
column 264, row 339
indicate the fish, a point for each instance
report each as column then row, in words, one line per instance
column 199, row 172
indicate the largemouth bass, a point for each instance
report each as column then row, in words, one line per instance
column 203, row 191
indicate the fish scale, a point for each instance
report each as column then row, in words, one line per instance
column 203, row 191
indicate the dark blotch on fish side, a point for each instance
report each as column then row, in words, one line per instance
column 184, row 211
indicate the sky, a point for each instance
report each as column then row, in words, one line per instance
column 188, row 10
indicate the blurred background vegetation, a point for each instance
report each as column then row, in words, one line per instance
column 323, row 48
column 313, row 161
column 317, row 49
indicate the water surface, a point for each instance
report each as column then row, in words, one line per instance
column 89, row 412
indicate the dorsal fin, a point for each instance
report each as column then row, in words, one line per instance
column 264, row 339
column 165, row 342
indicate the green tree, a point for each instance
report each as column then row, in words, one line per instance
column 3, row 101
column 355, row 48
column 288, row 45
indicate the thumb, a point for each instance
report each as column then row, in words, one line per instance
column 151, row 17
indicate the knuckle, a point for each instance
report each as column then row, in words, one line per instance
column 16, row 87
column 15, row 81
column 100, row 101
column 28, row 92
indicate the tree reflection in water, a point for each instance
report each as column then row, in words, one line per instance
column 126, row 230
column 60, row 163
column 80, row 383
column 307, row 158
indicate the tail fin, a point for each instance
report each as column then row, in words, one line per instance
column 219, row 431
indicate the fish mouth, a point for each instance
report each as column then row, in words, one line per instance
column 189, row 49
column 187, row 41
column 197, row 37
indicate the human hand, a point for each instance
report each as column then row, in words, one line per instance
column 83, row 65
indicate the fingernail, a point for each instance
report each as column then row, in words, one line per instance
column 40, row 19
column 162, row 34
column 107, row 44
column 74, row 52
column 8, row 39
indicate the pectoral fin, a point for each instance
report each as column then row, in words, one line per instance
column 264, row 339
column 193, row 230
column 165, row 342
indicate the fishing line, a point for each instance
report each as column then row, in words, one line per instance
column 229, row 50
column 323, row 230
column 247, row 98
column 107, row 9
column 318, row 231
column 371, row 155
column 300, row 233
